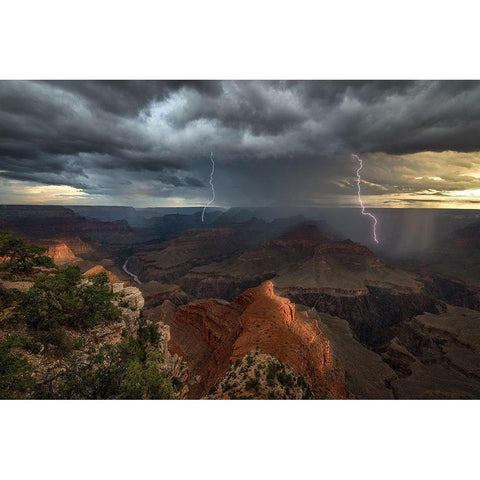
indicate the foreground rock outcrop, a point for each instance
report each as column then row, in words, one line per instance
column 56, row 353
column 211, row 335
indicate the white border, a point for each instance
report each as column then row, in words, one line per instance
column 279, row 39
column 239, row 439
column 239, row 40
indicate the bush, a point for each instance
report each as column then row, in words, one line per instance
column 147, row 380
column 8, row 297
column 15, row 370
column 21, row 256
column 177, row 384
column 272, row 370
column 63, row 300
column 131, row 369
column 285, row 379
column 148, row 334
column 61, row 339
column 253, row 383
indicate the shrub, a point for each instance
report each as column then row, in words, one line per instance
column 212, row 390
column 149, row 334
column 21, row 256
column 252, row 383
column 61, row 339
column 15, row 370
column 302, row 383
column 177, row 384
column 147, row 380
column 131, row 369
column 272, row 373
column 62, row 299
column 285, row 379
column 8, row 297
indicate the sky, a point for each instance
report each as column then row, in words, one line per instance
column 148, row 143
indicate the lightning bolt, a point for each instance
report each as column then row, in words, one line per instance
column 211, row 185
column 359, row 179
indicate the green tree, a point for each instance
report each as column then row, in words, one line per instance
column 15, row 370
column 147, row 380
column 131, row 369
column 20, row 256
column 66, row 299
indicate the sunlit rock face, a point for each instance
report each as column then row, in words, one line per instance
column 211, row 335
column 112, row 278
column 61, row 254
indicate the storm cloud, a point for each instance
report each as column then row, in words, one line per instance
column 281, row 142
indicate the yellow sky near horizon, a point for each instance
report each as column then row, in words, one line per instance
column 419, row 180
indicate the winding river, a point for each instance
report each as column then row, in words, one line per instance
column 128, row 272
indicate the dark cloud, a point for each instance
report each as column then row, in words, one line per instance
column 275, row 141
column 176, row 181
column 128, row 97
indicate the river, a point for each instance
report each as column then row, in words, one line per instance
column 128, row 272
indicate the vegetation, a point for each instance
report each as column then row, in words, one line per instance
column 131, row 369
column 63, row 299
column 252, row 377
column 60, row 338
column 15, row 370
column 276, row 372
column 253, row 383
column 55, row 315
column 8, row 297
column 20, row 256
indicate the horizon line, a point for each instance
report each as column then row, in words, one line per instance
column 200, row 207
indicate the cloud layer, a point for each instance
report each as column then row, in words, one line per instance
column 148, row 143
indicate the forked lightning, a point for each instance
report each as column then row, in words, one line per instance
column 211, row 185
column 359, row 179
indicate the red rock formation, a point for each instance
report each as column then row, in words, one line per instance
column 211, row 335
column 270, row 323
column 112, row 278
column 203, row 333
column 61, row 254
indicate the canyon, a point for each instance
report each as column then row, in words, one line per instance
column 281, row 307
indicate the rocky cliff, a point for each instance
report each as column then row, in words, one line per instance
column 61, row 253
column 49, row 352
column 437, row 356
column 340, row 278
column 211, row 335
column 177, row 257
